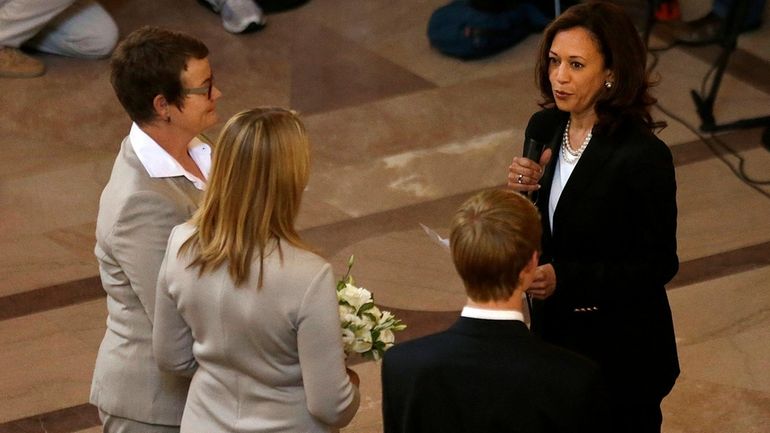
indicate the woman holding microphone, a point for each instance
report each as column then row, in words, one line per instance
column 606, row 190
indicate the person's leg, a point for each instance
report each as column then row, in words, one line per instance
column 20, row 20
column 636, row 414
column 710, row 28
column 116, row 424
column 84, row 30
column 272, row 6
column 754, row 10
column 238, row 16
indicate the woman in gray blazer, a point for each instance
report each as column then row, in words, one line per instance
column 243, row 304
column 164, row 81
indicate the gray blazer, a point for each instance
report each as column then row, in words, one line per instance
column 136, row 215
column 269, row 359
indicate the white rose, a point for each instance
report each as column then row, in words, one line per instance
column 353, row 320
column 368, row 322
column 386, row 317
column 374, row 311
column 355, row 296
column 348, row 337
column 363, row 341
column 345, row 310
column 387, row 337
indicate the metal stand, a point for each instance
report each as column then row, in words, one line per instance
column 704, row 104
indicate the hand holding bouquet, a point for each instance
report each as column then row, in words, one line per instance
column 365, row 329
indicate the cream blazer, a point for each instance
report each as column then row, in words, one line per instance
column 136, row 215
column 269, row 359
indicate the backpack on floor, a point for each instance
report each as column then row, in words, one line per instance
column 462, row 29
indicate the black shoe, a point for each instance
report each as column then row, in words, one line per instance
column 706, row 30
column 273, row 6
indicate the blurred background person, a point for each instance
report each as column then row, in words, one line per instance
column 238, row 16
column 75, row 28
column 606, row 190
column 164, row 81
column 242, row 302
column 710, row 28
column 246, row 16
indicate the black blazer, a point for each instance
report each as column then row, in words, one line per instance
column 613, row 247
column 489, row 376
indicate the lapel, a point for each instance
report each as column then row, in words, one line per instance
column 594, row 157
column 185, row 192
column 544, row 193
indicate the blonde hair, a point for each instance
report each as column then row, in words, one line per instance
column 494, row 235
column 260, row 168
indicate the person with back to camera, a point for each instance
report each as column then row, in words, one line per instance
column 244, row 304
column 164, row 81
column 487, row 373
column 606, row 190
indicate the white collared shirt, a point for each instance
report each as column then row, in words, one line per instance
column 482, row 313
column 159, row 163
column 561, row 175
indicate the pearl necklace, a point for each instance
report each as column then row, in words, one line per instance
column 567, row 154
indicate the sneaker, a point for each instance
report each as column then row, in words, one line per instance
column 15, row 64
column 242, row 16
column 238, row 16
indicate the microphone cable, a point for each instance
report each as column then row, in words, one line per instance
column 712, row 141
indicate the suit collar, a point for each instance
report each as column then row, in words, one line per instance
column 483, row 327
column 545, row 190
column 159, row 164
column 596, row 154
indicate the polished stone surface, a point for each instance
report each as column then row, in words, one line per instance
column 401, row 136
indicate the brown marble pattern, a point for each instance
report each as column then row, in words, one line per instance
column 401, row 136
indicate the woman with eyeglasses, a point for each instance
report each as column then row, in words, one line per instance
column 242, row 302
column 164, row 81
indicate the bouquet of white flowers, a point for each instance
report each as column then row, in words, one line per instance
column 365, row 329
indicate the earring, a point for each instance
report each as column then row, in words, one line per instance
column 608, row 84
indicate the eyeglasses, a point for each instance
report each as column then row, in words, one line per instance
column 205, row 90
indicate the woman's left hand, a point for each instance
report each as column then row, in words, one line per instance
column 524, row 174
column 544, row 283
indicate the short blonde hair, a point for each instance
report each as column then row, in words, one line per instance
column 260, row 168
column 494, row 235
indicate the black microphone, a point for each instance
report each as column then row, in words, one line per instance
column 539, row 133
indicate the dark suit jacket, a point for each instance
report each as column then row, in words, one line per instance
column 613, row 248
column 488, row 376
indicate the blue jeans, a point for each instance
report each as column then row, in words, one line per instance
column 753, row 11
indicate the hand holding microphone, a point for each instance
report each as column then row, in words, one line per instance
column 525, row 172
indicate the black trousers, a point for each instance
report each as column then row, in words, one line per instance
column 634, row 410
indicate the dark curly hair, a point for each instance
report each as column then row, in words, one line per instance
column 624, row 54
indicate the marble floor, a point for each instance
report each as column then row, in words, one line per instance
column 401, row 136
